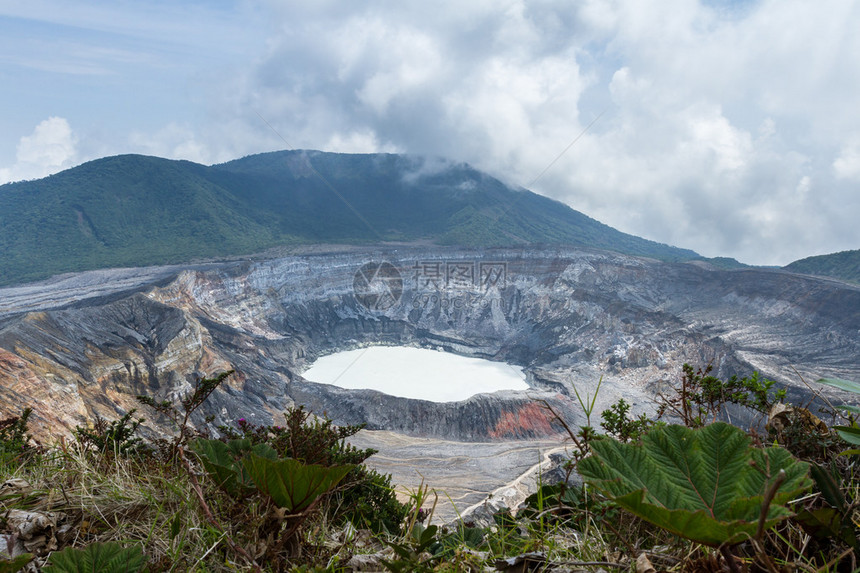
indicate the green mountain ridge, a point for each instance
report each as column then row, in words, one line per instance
column 133, row 210
column 844, row 265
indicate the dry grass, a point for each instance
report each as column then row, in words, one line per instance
column 150, row 503
column 123, row 499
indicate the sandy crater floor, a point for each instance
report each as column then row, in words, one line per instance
column 462, row 473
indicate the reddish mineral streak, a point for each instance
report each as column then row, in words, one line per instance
column 529, row 420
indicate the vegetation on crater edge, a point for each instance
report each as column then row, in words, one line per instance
column 298, row 498
column 844, row 265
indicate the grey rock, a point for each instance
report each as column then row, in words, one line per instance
column 567, row 316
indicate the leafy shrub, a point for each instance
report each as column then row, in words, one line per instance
column 223, row 461
column 304, row 437
column 803, row 434
column 364, row 497
column 240, row 468
column 180, row 414
column 700, row 397
column 618, row 423
column 14, row 438
column 115, row 437
column 288, row 489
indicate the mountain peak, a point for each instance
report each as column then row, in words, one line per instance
column 134, row 210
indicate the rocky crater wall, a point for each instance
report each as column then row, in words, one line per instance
column 568, row 317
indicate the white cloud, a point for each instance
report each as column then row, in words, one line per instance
column 709, row 135
column 407, row 59
column 173, row 141
column 50, row 148
column 847, row 165
column 357, row 142
column 729, row 127
column 716, row 140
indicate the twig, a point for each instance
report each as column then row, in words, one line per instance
column 591, row 564
column 663, row 557
column 730, row 559
column 195, row 485
column 768, row 498
column 762, row 519
column 563, row 424
column 617, row 533
column 294, row 521
column 815, row 392
column 837, row 559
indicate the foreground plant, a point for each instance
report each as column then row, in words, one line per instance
column 15, row 564
column 701, row 397
column 708, row 485
column 15, row 439
column 179, row 414
column 833, row 519
column 102, row 557
column 416, row 554
column 365, row 498
column 851, row 432
column 115, row 437
column 287, row 490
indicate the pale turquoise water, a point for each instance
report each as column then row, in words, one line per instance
column 415, row 373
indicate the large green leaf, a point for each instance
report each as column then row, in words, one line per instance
column 97, row 558
column 219, row 463
column 829, row 522
column 222, row 461
column 291, row 484
column 829, row 487
column 16, row 564
column 706, row 485
column 849, row 433
column 847, row 385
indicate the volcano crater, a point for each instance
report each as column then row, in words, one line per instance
column 570, row 318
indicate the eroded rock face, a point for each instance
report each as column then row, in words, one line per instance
column 568, row 317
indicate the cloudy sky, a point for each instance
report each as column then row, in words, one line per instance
column 728, row 127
